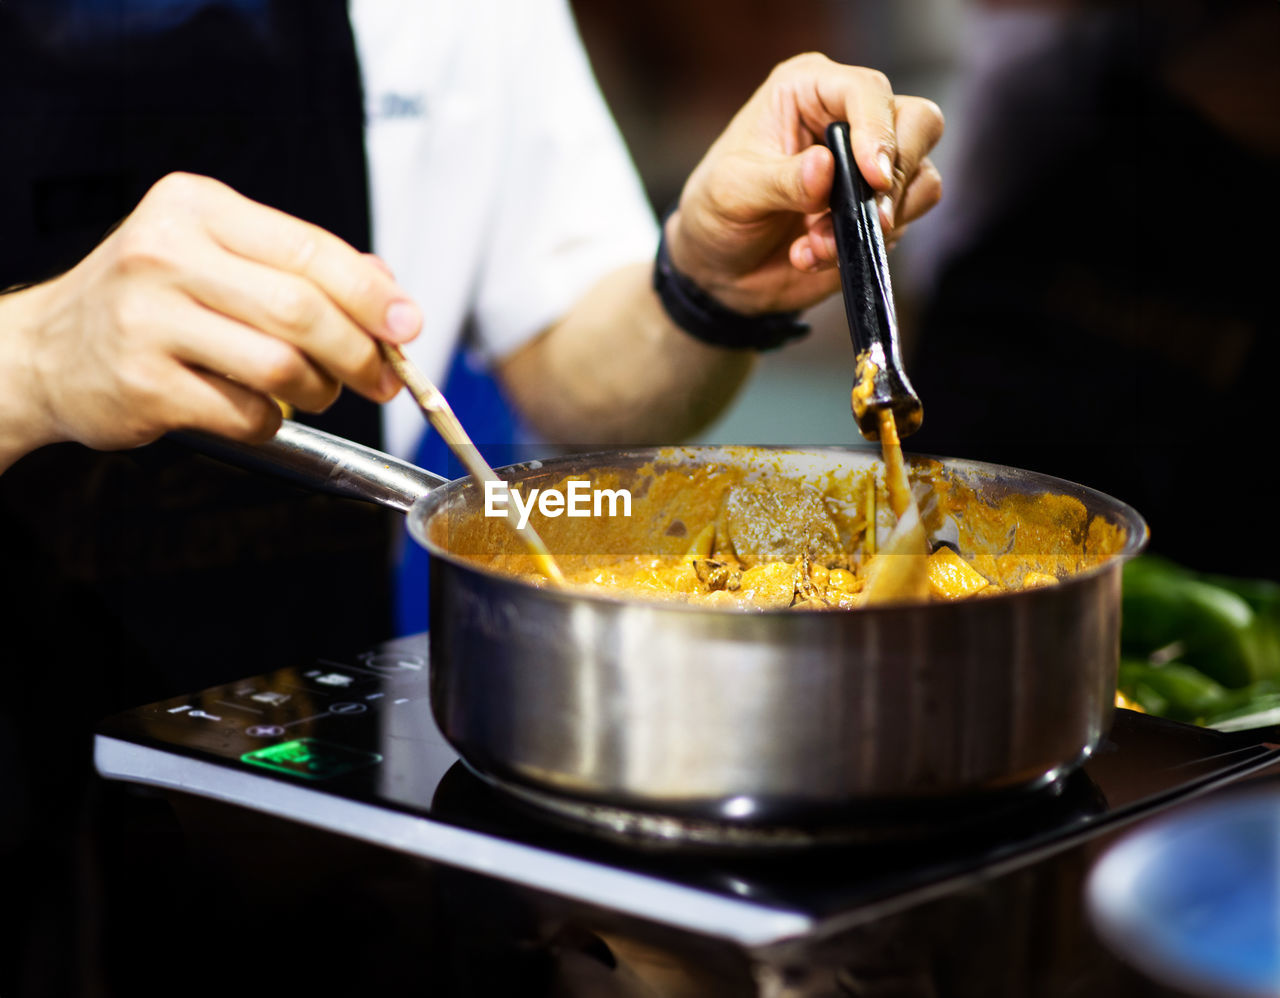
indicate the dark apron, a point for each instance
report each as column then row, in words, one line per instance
column 132, row 576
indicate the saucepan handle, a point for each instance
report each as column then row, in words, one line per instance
column 323, row 462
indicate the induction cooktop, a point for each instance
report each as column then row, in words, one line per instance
column 348, row 744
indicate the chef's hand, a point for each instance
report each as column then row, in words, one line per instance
column 196, row 310
column 752, row 227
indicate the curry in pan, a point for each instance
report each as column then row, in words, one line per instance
column 765, row 530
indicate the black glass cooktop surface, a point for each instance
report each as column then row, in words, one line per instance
column 349, row 744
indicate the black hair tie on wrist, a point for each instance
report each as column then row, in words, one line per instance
column 705, row 319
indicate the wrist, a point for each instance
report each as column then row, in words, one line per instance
column 24, row 424
column 706, row 315
column 688, row 261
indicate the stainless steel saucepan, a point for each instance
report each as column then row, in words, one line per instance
column 744, row 718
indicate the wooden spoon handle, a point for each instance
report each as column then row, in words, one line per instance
column 442, row 418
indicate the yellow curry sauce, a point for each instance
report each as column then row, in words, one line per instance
column 767, row 530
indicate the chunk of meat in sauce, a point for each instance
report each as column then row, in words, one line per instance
column 779, row 521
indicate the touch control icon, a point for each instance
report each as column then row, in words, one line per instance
column 390, row 662
column 310, row 759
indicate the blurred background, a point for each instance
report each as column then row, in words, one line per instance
column 1093, row 297
column 672, row 90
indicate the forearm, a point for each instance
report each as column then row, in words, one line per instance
column 616, row 370
column 23, row 422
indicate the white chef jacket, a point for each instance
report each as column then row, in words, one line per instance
column 501, row 189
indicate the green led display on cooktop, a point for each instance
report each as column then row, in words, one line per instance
column 311, row 759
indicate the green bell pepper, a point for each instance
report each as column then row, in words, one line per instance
column 1171, row 613
column 1173, row 690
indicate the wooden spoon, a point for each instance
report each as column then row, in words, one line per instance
column 442, row 418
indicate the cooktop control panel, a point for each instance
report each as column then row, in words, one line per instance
column 349, row 744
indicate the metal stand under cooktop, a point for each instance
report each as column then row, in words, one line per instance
column 349, row 745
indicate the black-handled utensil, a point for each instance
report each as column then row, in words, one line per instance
column 880, row 383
